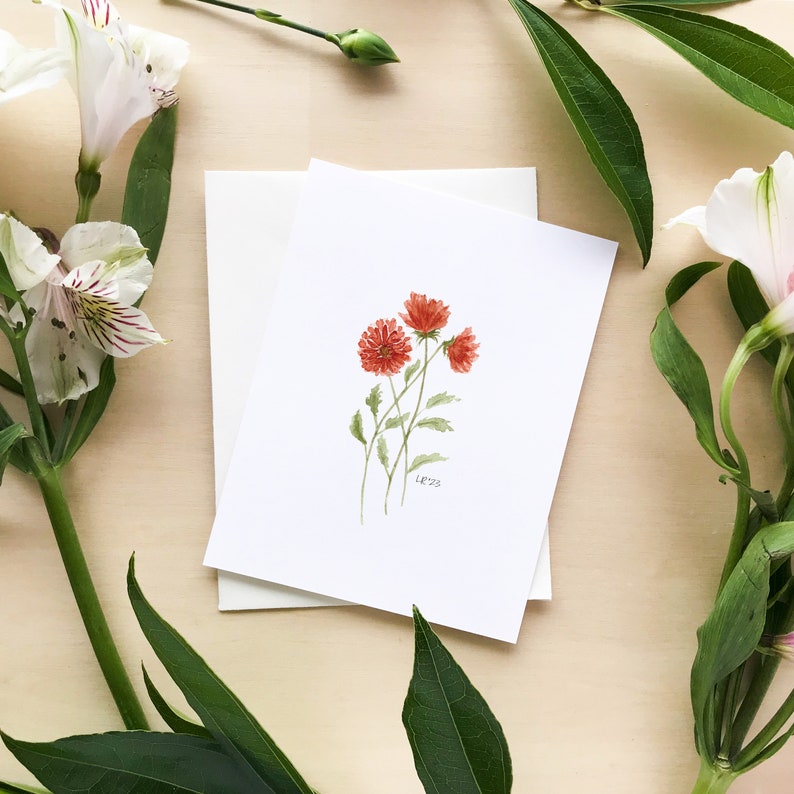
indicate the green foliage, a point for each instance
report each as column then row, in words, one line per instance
column 8, row 439
column 424, row 460
column 357, row 428
column 435, row 423
column 441, row 399
column 458, row 744
column 683, row 368
column 600, row 115
column 374, row 400
column 747, row 66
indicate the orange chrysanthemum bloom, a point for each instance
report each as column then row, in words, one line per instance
column 384, row 348
column 425, row 315
column 462, row 351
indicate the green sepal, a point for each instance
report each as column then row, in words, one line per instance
column 744, row 64
column 733, row 629
column 683, row 369
column 232, row 726
column 601, row 117
column 148, row 187
column 132, row 762
column 175, row 720
column 457, row 743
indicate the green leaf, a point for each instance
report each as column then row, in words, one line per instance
column 10, row 382
column 8, row 438
column 226, row 718
column 357, row 428
column 396, row 421
column 17, row 788
column 94, row 406
column 435, row 423
column 133, row 762
column 383, row 453
column 671, row 2
column 683, row 369
column 441, row 399
column 601, row 117
column 458, row 744
column 410, row 370
column 732, row 630
column 148, row 186
column 423, row 460
column 747, row 66
column 374, row 399
column 176, row 721
column 764, row 500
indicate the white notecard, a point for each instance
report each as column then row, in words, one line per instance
column 461, row 530
column 236, row 203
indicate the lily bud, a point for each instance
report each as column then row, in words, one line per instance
column 364, row 47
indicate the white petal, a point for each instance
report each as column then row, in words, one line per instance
column 27, row 259
column 64, row 363
column 694, row 216
column 110, row 81
column 23, row 70
column 119, row 248
column 749, row 218
column 165, row 55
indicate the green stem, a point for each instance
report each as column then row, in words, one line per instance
column 38, row 423
column 85, row 594
column 781, row 405
column 268, row 16
column 87, row 181
column 767, row 734
column 712, row 780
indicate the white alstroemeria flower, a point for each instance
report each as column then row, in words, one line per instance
column 750, row 218
column 23, row 70
column 120, row 74
column 82, row 300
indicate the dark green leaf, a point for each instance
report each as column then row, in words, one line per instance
column 133, row 762
column 435, row 423
column 682, row 367
column 732, row 630
column 383, row 453
column 601, row 117
column 441, row 399
column 373, row 401
column 357, row 428
column 396, row 421
column 93, row 407
column 176, row 721
column 17, row 788
column 458, row 744
column 763, row 499
column 423, row 460
column 148, row 186
column 747, row 66
column 671, row 2
column 226, row 718
column 10, row 382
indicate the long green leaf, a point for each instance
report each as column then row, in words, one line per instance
column 10, row 382
column 148, row 186
column 17, row 788
column 8, row 438
column 458, row 744
column 681, row 366
column 222, row 713
column 176, row 721
column 747, row 66
column 732, row 630
column 132, row 762
column 600, row 115
column 671, row 2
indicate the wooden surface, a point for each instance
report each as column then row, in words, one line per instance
column 595, row 695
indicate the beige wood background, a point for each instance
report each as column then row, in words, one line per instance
column 595, row 695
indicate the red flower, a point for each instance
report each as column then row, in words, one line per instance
column 384, row 348
column 462, row 351
column 425, row 315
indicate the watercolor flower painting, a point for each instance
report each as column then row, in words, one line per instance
column 385, row 350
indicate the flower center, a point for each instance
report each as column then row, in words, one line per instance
column 384, row 351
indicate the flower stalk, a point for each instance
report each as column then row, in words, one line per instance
column 712, row 780
column 357, row 44
column 105, row 650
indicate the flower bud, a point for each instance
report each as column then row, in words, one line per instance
column 364, row 47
